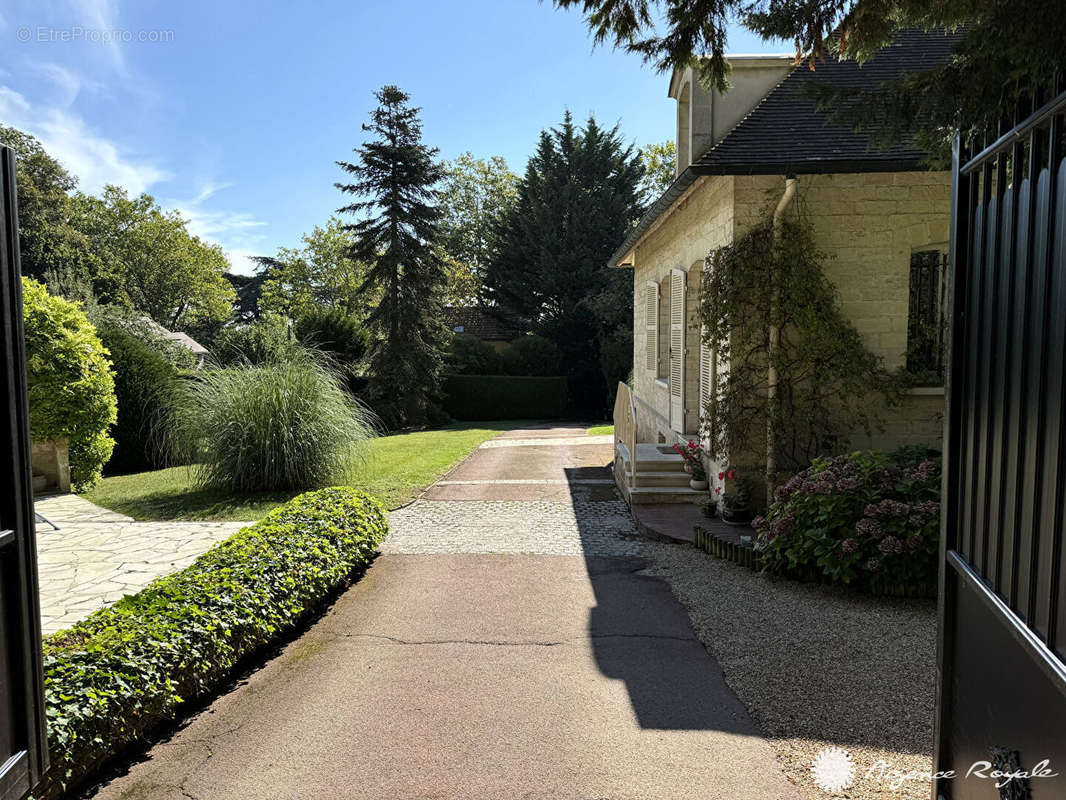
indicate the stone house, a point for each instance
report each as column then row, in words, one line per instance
column 880, row 215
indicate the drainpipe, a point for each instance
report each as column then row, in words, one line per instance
column 774, row 343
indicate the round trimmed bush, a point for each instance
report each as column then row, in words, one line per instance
column 69, row 380
column 282, row 425
column 144, row 379
column 532, row 355
column 333, row 332
column 866, row 518
column 468, row 355
column 266, row 340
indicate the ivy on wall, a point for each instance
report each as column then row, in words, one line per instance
column 828, row 382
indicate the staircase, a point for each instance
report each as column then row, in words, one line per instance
column 660, row 476
column 656, row 474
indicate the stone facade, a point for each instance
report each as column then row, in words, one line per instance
column 867, row 223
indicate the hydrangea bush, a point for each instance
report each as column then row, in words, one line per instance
column 868, row 518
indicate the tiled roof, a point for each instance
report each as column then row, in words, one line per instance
column 786, row 134
column 481, row 323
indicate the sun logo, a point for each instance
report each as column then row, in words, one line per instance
column 833, row 769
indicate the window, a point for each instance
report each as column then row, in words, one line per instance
column 926, row 315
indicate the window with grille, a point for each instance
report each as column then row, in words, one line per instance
column 927, row 316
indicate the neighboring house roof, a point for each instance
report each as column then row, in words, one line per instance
column 187, row 341
column 481, row 323
column 177, row 337
column 785, row 133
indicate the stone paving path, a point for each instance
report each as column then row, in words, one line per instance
column 96, row 556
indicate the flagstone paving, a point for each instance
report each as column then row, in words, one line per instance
column 96, row 556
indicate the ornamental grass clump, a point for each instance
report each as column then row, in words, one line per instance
column 287, row 424
column 867, row 519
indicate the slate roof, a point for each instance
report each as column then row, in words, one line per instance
column 786, row 134
column 480, row 323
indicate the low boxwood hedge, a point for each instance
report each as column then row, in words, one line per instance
column 490, row 397
column 112, row 677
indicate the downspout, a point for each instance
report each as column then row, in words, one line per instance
column 771, row 352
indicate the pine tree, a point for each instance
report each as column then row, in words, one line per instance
column 578, row 197
column 394, row 177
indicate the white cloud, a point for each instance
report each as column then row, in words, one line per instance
column 96, row 160
column 102, row 15
column 235, row 231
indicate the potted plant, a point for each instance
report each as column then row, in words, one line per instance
column 692, row 452
column 734, row 506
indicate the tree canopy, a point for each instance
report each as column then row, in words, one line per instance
column 475, row 195
column 576, row 201
column 396, row 235
column 1008, row 48
column 156, row 265
column 660, row 161
column 51, row 248
column 321, row 273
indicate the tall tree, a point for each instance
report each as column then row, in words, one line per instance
column 397, row 237
column 476, row 193
column 51, row 248
column 319, row 274
column 1007, row 49
column 577, row 199
column 156, row 265
column 660, row 161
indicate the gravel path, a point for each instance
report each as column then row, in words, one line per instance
column 817, row 667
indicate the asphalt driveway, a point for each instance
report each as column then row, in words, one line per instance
column 501, row 647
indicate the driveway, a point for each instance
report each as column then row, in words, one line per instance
column 505, row 644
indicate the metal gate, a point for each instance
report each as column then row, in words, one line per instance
column 23, row 749
column 1001, row 701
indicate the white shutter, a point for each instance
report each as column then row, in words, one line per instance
column 706, row 375
column 651, row 326
column 677, row 349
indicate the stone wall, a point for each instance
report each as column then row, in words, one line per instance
column 868, row 224
column 701, row 220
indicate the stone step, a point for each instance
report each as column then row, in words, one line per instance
column 662, row 478
column 665, row 494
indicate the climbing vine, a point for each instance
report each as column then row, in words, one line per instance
column 827, row 380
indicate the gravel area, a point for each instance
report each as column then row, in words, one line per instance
column 581, row 527
column 817, row 667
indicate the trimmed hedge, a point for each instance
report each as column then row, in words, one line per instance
column 489, row 397
column 143, row 377
column 112, row 677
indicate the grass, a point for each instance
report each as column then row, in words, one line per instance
column 398, row 468
column 601, row 430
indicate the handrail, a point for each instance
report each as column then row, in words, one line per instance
column 625, row 429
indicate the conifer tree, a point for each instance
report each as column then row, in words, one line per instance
column 394, row 178
column 578, row 198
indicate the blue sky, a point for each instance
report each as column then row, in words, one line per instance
column 235, row 112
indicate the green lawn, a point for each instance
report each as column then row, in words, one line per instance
column 601, row 430
column 397, row 469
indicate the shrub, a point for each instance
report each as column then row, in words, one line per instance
column 264, row 341
column 106, row 317
column 283, row 425
column 112, row 677
column 468, row 355
column 865, row 518
column 489, row 397
column 144, row 379
column 532, row 355
column 333, row 332
column 69, row 380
